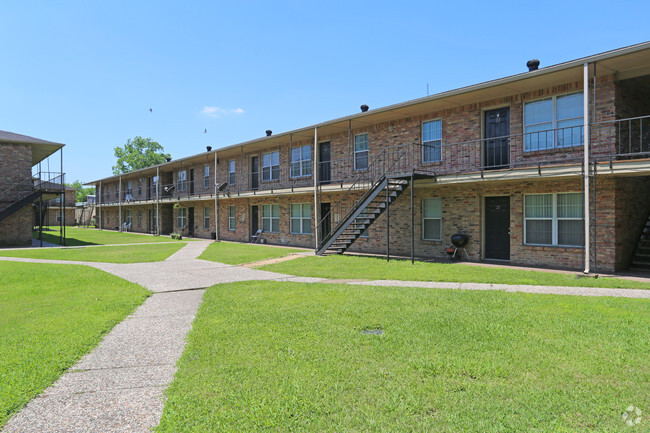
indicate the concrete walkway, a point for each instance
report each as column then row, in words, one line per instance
column 119, row 386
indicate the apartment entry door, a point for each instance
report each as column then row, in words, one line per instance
column 190, row 222
column 327, row 220
column 497, row 228
column 324, row 169
column 255, row 170
column 255, row 215
column 497, row 143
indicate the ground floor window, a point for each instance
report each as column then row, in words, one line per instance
column 206, row 217
column 231, row 218
column 553, row 219
column 58, row 216
column 301, row 219
column 128, row 216
column 181, row 219
column 139, row 218
column 154, row 218
column 271, row 218
column 432, row 219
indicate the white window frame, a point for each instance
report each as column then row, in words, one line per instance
column 128, row 216
column 300, row 167
column 271, row 171
column 206, row 176
column 181, row 181
column 553, row 130
column 206, row 217
column 181, row 217
column 425, row 218
column 359, row 153
column 425, row 144
column 302, row 217
column 554, row 220
column 267, row 216
column 232, row 172
column 232, row 218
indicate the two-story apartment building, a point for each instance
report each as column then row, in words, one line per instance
column 58, row 210
column 20, row 189
column 542, row 168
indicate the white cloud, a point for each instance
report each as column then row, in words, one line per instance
column 218, row 111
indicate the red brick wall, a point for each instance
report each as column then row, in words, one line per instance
column 16, row 167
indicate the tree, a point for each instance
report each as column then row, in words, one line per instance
column 137, row 154
column 82, row 193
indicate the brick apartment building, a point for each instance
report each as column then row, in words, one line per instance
column 503, row 162
column 54, row 213
column 20, row 188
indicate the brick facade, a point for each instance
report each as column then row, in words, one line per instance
column 16, row 167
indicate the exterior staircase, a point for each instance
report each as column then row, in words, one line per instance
column 641, row 258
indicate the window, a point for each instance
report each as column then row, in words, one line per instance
column 58, row 216
column 432, row 141
column 301, row 219
column 301, row 161
column 432, row 219
column 206, row 176
column 271, row 218
column 139, row 218
column 140, row 186
column 128, row 216
column 181, row 218
column 553, row 219
column 58, row 200
column 361, row 151
column 271, row 166
column 231, row 218
column 154, row 218
column 553, row 122
column 182, row 180
column 231, row 172
column 129, row 187
column 206, row 217
column 155, row 184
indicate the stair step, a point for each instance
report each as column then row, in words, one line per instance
column 641, row 264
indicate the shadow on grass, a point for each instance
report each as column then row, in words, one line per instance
column 55, row 238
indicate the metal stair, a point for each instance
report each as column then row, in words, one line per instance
column 641, row 257
column 19, row 204
column 366, row 212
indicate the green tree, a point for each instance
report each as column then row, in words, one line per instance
column 137, row 154
column 82, row 193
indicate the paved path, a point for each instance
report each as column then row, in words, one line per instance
column 119, row 386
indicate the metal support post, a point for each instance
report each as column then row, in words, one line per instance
column 585, row 101
column 315, row 177
column 412, row 220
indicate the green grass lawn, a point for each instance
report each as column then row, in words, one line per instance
column 235, row 254
column 51, row 315
column 107, row 254
column 371, row 268
column 272, row 356
column 76, row 236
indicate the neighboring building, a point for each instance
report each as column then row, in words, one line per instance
column 54, row 212
column 20, row 189
column 85, row 211
column 501, row 161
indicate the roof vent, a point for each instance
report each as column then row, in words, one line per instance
column 364, row 108
column 268, row 132
column 533, row 65
column 208, row 148
column 168, row 159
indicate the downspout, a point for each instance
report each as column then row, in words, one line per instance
column 315, row 177
column 216, row 200
column 585, row 104
column 157, row 201
column 119, row 204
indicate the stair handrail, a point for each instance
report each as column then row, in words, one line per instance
column 12, row 194
column 374, row 165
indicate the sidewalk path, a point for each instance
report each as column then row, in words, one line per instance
column 119, row 386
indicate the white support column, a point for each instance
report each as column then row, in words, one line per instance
column 314, row 176
column 586, row 135
column 216, row 200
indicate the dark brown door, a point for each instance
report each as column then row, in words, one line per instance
column 497, row 142
column 255, row 173
column 254, row 220
column 497, row 228
column 326, row 226
column 324, row 165
column 191, row 181
column 190, row 222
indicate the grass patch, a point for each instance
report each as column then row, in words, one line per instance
column 371, row 268
column 51, row 315
column 236, row 254
column 278, row 356
column 108, row 254
column 78, row 236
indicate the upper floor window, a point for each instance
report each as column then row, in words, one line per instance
column 271, row 166
column 139, row 186
column 432, row 141
column 231, row 172
column 432, row 219
column 553, row 122
column 155, row 183
column 206, row 176
column 361, row 151
column 553, row 219
column 301, row 161
column 182, row 180
column 129, row 187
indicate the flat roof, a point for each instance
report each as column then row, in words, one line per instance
column 41, row 149
column 626, row 62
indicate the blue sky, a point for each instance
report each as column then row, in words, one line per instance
column 85, row 73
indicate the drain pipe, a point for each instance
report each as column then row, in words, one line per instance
column 586, row 135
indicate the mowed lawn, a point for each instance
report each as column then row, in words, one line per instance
column 372, row 268
column 236, row 254
column 76, row 236
column 107, row 254
column 51, row 315
column 277, row 356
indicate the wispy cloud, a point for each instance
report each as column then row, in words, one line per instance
column 218, row 111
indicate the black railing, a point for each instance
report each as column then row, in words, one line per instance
column 47, row 181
